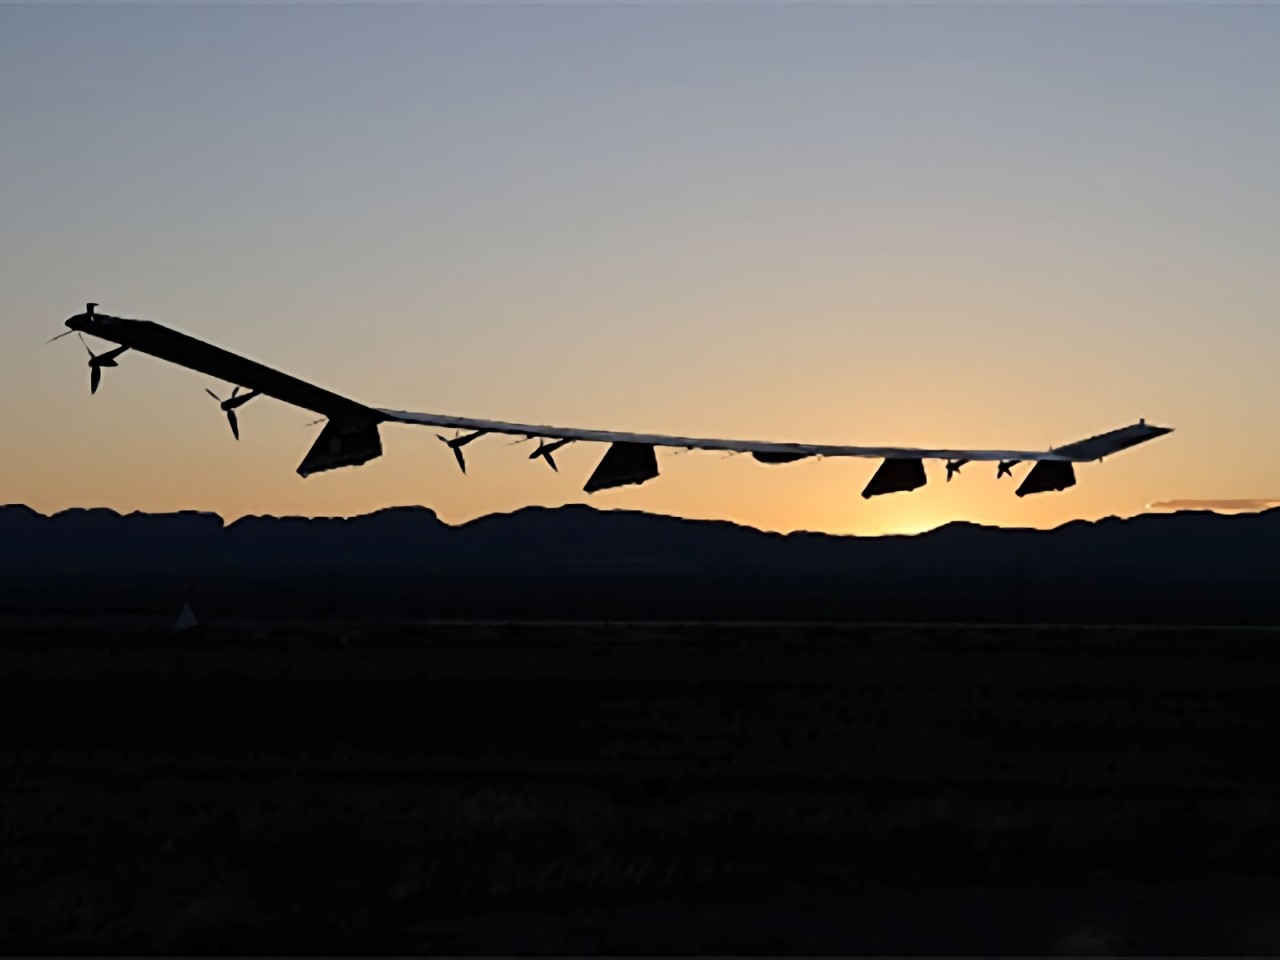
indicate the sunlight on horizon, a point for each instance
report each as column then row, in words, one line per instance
column 965, row 227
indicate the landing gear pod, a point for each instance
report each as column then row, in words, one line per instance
column 623, row 464
column 894, row 476
column 767, row 457
column 1048, row 475
column 342, row 443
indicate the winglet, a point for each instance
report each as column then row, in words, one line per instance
column 1105, row 444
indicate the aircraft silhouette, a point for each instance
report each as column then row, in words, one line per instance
column 350, row 436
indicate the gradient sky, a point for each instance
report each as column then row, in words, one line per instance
column 927, row 225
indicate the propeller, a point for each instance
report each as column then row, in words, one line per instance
column 1005, row 468
column 953, row 466
column 546, row 449
column 95, row 375
column 229, row 405
column 60, row 336
column 457, row 443
column 97, row 361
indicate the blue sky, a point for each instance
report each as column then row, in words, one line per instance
column 956, row 225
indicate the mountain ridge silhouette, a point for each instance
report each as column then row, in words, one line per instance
column 1187, row 544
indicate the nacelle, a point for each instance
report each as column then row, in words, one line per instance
column 342, row 443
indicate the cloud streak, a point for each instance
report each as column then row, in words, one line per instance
column 1236, row 506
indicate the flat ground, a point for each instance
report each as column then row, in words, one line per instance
column 639, row 789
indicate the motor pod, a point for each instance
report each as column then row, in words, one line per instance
column 895, row 476
column 1048, row 475
column 623, row 464
column 342, row 443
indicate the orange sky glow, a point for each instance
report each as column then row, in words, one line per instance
column 978, row 226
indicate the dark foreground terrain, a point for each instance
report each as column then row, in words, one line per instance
column 577, row 563
column 640, row 789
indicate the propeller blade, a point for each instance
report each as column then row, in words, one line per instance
column 546, row 449
column 235, row 427
column 234, row 392
column 95, row 378
column 212, row 394
column 457, row 451
column 86, row 346
column 240, row 400
column 60, row 336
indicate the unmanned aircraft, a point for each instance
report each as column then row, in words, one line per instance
column 350, row 435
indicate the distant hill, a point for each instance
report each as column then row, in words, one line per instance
column 575, row 538
column 626, row 553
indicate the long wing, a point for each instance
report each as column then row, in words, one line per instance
column 146, row 336
column 351, row 435
column 1092, row 449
